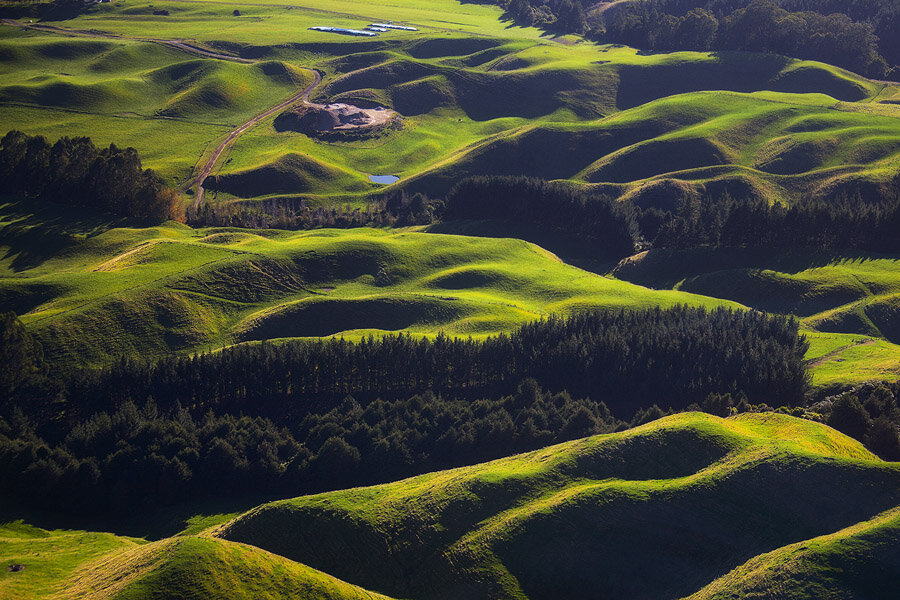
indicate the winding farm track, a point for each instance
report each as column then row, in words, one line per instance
column 200, row 178
column 184, row 46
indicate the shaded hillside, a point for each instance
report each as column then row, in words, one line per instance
column 860, row 561
column 588, row 518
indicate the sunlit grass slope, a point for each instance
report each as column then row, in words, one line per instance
column 91, row 295
column 50, row 558
column 770, row 145
column 481, row 106
column 860, row 561
column 848, row 302
column 658, row 511
column 70, row 565
column 167, row 104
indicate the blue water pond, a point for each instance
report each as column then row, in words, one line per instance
column 383, row 178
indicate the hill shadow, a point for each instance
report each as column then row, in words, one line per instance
column 34, row 232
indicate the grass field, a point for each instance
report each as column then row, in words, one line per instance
column 91, row 294
column 91, row 291
column 689, row 504
column 166, row 103
column 621, row 515
column 471, row 90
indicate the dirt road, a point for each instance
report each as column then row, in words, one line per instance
column 184, row 46
column 302, row 96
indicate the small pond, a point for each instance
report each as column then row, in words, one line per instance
column 383, row 178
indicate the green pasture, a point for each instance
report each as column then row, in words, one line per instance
column 170, row 105
column 91, row 294
column 476, row 95
column 68, row 564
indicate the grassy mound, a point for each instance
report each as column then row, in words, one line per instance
column 291, row 173
column 774, row 146
column 692, row 495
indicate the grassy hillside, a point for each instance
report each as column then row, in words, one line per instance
column 847, row 301
column 689, row 504
column 472, row 108
column 74, row 565
column 771, row 145
column 92, row 293
column 658, row 511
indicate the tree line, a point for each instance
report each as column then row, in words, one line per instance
column 608, row 226
column 616, row 229
column 846, row 222
column 394, row 209
column 308, row 416
column 74, row 172
column 623, row 358
column 870, row 413
column 143, row 455
column 756, row 26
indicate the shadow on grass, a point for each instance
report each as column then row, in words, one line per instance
column 34, row 232
column 571, row 249
column 149, row 521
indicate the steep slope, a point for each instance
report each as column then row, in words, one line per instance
column 656, row 512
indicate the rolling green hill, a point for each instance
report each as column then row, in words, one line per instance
column 91, row 295
column 491, row 101
column 526, row 108
column 656, row 512
column 168, row 104
column 687, row 506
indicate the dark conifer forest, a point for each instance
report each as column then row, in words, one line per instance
column 74, row 172
column 309, row 416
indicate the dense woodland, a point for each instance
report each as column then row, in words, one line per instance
column 847, row 222
column 608, row 226
column 616, row 229
column 860, row 35
column 394, row 209
column 307, row 416
column 757, row 26
column 74, row 172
